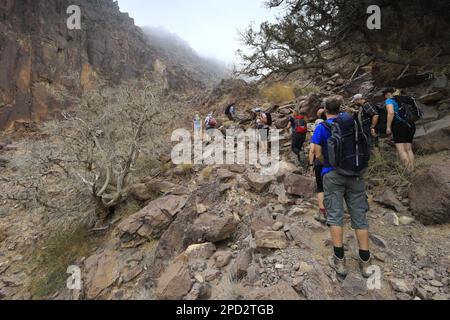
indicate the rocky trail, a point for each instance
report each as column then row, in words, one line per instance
column 228, row 232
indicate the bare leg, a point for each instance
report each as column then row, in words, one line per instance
column 337, row 235
column 363, row 239
column 411, row 157
column 403, row 154
column 320, row 200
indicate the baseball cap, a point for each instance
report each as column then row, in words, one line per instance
column 357, row 97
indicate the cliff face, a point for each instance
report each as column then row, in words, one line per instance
column 42, row 61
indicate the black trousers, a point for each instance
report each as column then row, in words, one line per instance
column 298, row 140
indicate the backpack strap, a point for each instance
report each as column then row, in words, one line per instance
column 327, row 125
column 396, row 99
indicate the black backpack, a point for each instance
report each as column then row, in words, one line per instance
column 269, row 119
column 348, row 146
column 228, row 109
column 409, row 111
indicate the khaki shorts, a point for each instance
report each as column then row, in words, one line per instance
column 351, row 189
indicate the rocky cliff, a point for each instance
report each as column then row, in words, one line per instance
column 44, row 63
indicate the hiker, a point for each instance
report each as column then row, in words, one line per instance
column 403, row 131
column 290, row 127
column 299, row 128
column 210, row 123
column 230, row 111
column 197, row 124
column 344, row 161
column 321, row 116
column 263, row 123
column 317, row 167
column 369, row 116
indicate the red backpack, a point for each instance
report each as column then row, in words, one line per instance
column 301, row 126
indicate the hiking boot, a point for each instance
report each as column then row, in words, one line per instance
column 321, row 217
column 364, row 266
column 338, row 265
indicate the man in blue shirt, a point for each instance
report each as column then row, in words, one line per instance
column 338, row 188
column 320, row 139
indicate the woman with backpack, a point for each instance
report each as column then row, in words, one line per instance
column 402, row 130
column 299, row 127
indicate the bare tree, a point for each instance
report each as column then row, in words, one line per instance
column 110, row 138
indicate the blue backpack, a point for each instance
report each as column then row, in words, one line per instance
column 348, row 146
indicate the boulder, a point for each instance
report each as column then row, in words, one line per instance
column 280, row 191
column 429, row 194
column 165, row 187
column 434, row 136
column 281, row 291
column 400, row 285
column 411, row 80
column 175, row 282
column 363, row 84
column 271, row 239
column 236, row 168
column 151, row 221
column 141, row 192
column 281, row 123
column 131, row 273
column 212, row 274
column 316, row 286
column 261, row 223
column 300, row 185
column 200, row 251
column 432, row 98
column 102, row 271
column 430, row 114
column 286, row 168
column 378, row 241
column 200, row 291
column 222, row 259
column 260, row 182
column 224, row 174
column 389, row 199
column 406, row 221
column 354, row 285
column 214, row 228
column 440, row 82
column 241, row 264
column 311, row 105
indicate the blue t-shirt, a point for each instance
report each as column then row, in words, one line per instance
column 394, row 103
column 320, row 137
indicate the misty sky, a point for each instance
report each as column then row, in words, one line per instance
column 210, row 26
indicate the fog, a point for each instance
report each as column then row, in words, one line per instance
column 211, row 27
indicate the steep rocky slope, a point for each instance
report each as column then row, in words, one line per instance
column 176, row 50
column 44, row 63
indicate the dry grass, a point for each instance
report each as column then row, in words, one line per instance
column 227, row 289
column 206, row 173
column 385, row 170
column 278, row 93
column 59, row 251
column 304, row 91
